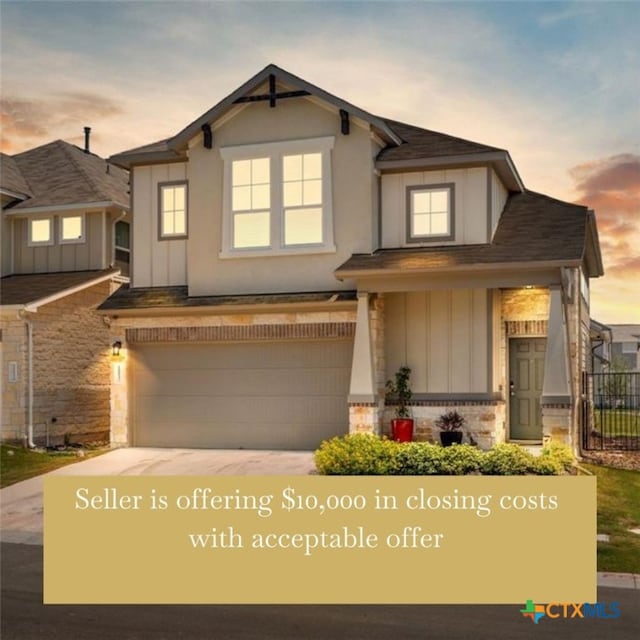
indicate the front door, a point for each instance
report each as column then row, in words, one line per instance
column 526, row 375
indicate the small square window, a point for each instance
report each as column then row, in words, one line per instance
column 430, row 212
column 71, row 229
column 172, row 202
column 40, row 232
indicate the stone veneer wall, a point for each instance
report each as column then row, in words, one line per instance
column 212, row 327
column 71, row 350
column 484, row 424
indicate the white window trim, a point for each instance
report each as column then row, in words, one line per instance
column 82, row 237
column 275, row 151
column 35, row 243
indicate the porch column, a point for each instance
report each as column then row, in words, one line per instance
column 556, row 390
column 363, row 405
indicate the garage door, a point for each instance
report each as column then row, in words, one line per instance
column 251, row 395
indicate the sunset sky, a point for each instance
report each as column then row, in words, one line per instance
column 555, row 83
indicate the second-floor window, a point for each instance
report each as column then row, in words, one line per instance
column 430, row 212
column 172, row 203
column 277, row 198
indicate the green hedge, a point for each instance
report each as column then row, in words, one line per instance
column 366, row 454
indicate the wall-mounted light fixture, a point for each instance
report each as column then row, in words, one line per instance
column 115, row 349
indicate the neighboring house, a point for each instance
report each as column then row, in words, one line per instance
column 292, row 250
column 601, row 339
column 625, row 347
column 65, row 241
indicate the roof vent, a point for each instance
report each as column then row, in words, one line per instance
column 87, row 134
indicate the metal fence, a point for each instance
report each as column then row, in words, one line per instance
column 611, row 411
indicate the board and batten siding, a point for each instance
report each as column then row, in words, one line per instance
column 499, row 197
column 443, row 336
column 81, row 256
column 470, row 204
column 156, row 263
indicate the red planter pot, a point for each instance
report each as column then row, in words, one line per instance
column 402, row 429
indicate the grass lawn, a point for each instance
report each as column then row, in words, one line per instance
column 17, row 463
column 618, row 511
column 617, row 422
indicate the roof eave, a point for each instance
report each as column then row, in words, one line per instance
column 50, row 208
column 13, row 194
column 33, row 305
column 500, row 160
column 127, row 160
column 344, row 274
column 278, row 307
column 593, row 255
column 181, row 139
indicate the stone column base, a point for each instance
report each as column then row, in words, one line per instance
column 557, row 424
column 364, row 417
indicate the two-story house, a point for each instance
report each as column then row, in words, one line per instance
column 64, row 242
column 291, row 251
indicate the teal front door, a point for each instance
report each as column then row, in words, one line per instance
column 526, row 375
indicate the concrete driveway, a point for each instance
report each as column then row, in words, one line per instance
column 21, row 503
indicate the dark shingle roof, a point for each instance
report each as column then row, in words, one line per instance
column 423, row 143
column 10, row 177
column 59, row 174
column 534, row 228
column 178, row 297
column 26, row 289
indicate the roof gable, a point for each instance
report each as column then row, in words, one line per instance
column 59, row 174
column 247, row 92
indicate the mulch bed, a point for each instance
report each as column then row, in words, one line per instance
column 629, row 460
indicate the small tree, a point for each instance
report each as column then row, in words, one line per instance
column 399, row 390
column 616, row 383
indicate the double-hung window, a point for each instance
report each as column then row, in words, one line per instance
column 277, row 198
column 172, row 206
column 430, row 212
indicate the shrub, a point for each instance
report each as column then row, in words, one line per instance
column 356, row 455
column 370, row 455
column 546, row 466
column 460, row 459
column 507, row 460
column 419, row 459
column 560, row 454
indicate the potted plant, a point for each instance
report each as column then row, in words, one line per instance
column 450, row 425
column 399, row 392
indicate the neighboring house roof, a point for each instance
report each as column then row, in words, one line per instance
column 625, row 332
column 11, row 180
column 33, row 290
column 533, row 228
column 178, row 297
column 59, row 174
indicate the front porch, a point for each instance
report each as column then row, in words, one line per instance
column 459, row 343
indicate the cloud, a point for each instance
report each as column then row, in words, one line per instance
column 31, row 121
column 611, row 187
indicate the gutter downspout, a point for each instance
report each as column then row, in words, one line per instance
column 29, row 326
